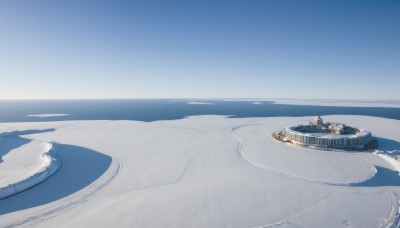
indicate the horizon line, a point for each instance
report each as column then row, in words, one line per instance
column 204, row 98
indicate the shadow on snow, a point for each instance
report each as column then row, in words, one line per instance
column 9, row 144
column 11, row 140
column 80, row 168
column 383, row 177
column 388, row 146
column 25, row 132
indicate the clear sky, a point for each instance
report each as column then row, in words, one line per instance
column 199, row 49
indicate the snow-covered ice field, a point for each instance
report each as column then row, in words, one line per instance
column 201, row 171
column 328, row 102
column 341, row 103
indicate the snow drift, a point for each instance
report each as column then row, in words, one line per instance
column 49, row 164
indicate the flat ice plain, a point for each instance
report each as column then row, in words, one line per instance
column 207, row 171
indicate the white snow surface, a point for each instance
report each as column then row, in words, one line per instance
column 199, row 103
column 27, row 165
column 341, row 103
column 47, row 115
column 210, row 171
column 327, row 102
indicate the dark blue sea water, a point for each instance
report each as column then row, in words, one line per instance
column 151, row 110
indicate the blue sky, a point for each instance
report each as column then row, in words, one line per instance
column 199, row 49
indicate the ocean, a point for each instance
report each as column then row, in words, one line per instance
column 166, row 109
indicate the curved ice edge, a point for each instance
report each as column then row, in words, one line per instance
column 374, row 172
column 53, row 165
column 391, row 160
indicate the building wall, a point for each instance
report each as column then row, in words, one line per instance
column 313, row 140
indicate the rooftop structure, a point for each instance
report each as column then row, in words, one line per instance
column 322, row 135
column 318, row 121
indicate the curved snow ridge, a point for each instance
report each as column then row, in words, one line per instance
column 308, row 179
column 51, row 164
column 391, row 160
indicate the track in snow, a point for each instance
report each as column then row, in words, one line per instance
column 282, row 173
column 391, row 221
column 72, row 201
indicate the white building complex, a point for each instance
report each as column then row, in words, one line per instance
column 329, row 135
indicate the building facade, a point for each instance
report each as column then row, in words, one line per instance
column 330, row 135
